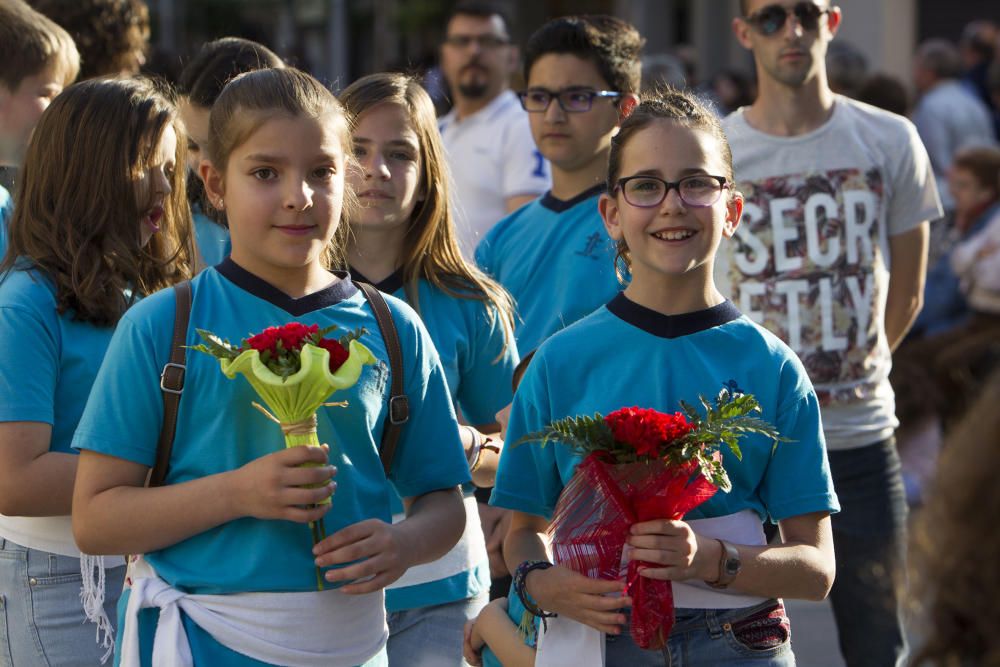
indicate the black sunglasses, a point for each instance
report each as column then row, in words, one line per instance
column 772, row 18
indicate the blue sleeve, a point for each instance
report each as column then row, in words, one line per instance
column 485, row 259
column 29, row 365
column 429, row 455
column 487, row 369
column 798, row 479
column 124, row 413
column 528, row 478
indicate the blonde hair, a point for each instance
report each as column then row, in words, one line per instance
column 77, row 217
column 253, row 98
column 430, row 248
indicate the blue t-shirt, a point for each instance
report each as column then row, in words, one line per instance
column 627, row 355
column 218, row 430
column 556, row 260
column 212, row 238
column 6, row 210
column 49, row 359
column 478, row 368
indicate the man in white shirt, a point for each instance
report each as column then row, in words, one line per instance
column 495, row 165
column 831, row 256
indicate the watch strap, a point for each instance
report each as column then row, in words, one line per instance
column 729, row 565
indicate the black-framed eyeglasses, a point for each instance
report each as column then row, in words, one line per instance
column 772, row 18
column 485, row 42
column 696, row 191
column 571, row 100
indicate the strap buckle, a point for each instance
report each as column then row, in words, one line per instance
column 176, row 382
column 399, row 410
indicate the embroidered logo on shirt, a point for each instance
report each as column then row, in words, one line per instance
column 590, row 249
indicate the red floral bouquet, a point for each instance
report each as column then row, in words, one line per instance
column 639, row 465
column 294, row 368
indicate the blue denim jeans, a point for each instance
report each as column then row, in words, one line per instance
column 431, row 636
column 41, row 619
column 756, row 636
column 869, row 536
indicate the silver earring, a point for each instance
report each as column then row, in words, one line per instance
column 221, row 204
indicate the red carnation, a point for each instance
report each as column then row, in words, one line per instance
column 647, row 431
column 265, row 340
column 338, row 353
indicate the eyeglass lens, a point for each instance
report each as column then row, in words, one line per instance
column 695, row 191
column 569, row 100
column 771, row 19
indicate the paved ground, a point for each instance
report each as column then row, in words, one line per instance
column 814, row 634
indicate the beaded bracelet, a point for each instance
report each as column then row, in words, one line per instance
column 520, row 575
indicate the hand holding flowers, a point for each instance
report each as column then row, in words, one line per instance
column 642, row 471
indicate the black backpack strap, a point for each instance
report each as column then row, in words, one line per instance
column 399, row 405
column 172, row 383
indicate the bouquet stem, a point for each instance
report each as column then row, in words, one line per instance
column 303, row 434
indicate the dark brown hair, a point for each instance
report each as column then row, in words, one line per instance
column 430, row 248
column 217, row 62
column 77, row 216
column 111, row 35
column 680, row 106
column 253, row 98
column 983, row 162
column 956, row 543
column 30, row 42
column 610, row 43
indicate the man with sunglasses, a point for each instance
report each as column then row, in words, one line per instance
column 494, row 163
column 831, row 256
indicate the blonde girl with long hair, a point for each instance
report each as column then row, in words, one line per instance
column 403, row 241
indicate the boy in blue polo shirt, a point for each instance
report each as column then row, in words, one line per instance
column 553, row 254
column 37, row 60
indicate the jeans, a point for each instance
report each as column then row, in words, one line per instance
column 431, row 636
column 41, row 618
column 869, row 536
column 756, row 636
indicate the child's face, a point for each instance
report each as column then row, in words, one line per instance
column 388, row 182
column 195, row 120
column 21, row 108
column 282, row 192
column 153, row 187
column 571, row 141
column 673, row 238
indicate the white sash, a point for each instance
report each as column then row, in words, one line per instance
column 568, row 643
column 466, row 554
column 313, row 629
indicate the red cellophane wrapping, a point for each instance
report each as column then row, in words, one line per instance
column 595, row 513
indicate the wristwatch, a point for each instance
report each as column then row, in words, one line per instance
column 729, row 565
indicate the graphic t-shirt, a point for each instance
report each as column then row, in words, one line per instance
column 810, row 259
column 557, row 261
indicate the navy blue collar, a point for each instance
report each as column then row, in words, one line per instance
column 550, row 202
column 672, row 326
column 388, row 286
column 260, row 288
